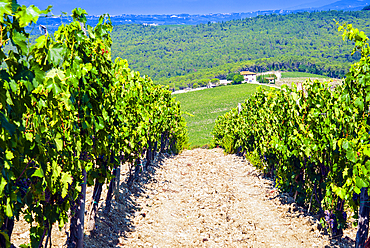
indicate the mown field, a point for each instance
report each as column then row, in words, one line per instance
column 206, row 105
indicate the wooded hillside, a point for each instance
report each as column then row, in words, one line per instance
column 303, row 41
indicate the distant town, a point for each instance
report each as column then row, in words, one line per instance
column 53, row 22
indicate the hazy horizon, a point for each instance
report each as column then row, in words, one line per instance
column 153, row 7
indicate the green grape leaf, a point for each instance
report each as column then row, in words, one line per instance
column 8, row 208
column 5, row 7
column 105, row 114
column 59, row 144
column 357, row 190
column 56, row 170
column 359, row 103
column 345, row 145
column 78, row 146
column 54, row 77
column 91, row 32
column 341, row 193
column 360, row 183
column 9, row 155
column 27, row 15
column 56, row 53
column 79, row 15
column 99, row 123
column 53, row 87
column 350, row 154
column 367, row 151
column 41, row 42
column 38, row 173
column 13, row 85
column 66, row 180
column 3, row 183
column 86, row 68
column 20, row 39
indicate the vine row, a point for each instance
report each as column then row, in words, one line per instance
column 70, row 117
column 314, row 140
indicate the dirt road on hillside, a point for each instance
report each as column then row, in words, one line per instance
column 203, row 198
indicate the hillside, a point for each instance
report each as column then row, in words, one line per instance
column 345, row 5
column 168, row 51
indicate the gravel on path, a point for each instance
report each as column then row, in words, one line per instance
column 204, row 198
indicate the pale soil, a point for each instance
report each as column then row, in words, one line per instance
column 203, row 198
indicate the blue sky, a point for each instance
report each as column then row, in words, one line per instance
column 116, row 7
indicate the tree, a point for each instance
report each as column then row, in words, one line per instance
column 195, row 85
column 215, row 80
column 203, row 82
column 262, row 78
column 237, row 79
column 230, row 76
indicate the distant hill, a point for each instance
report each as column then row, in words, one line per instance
column 310, row 5
column 52, row 23
column 345, row 5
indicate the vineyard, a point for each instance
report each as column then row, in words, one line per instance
column 313, row 140
column 70, row 117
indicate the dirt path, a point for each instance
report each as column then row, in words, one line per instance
column 203, row 198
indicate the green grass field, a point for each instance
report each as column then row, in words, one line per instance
column 206, row 105
column 300, row 74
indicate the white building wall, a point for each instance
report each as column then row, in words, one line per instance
column 250, row 78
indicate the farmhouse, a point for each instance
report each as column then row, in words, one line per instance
column 270, row 79
column 249, row 76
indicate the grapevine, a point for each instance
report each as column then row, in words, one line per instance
column 70, row 117
column 313, row 141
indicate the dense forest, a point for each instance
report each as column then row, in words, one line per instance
column 184, row 54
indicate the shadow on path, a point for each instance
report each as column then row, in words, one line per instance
column 114, row 226
column 293, row 210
